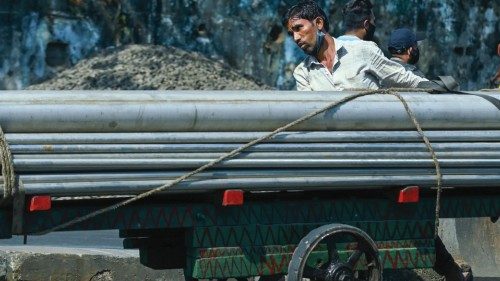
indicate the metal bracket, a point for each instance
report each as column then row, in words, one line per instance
column 18, row 209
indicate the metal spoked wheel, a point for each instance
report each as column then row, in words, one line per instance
column 338, row 267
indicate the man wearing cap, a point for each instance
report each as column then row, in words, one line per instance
column 404, row 49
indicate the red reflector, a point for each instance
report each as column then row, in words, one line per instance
column 40, row 203
column 411, row 194
column 232, row 197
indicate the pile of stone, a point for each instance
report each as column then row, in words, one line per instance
column 149, row 67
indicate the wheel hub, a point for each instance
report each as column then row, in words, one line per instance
column 340, row 272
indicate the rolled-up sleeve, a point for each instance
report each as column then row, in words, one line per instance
column 390, row 73
column 301, row 76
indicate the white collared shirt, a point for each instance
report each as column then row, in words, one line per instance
column 358, row 64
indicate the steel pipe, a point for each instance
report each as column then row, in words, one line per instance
column 255, row 184
column 26, row 112
column 245, row 173
column 49, row 165
column 240, row 137
column 63, row 144
column 270, row 155
column 212, row 148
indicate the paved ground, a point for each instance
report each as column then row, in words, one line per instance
column 93, row 249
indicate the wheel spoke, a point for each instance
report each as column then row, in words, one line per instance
column 313, row 273
column 333, row 254
column 354, row 258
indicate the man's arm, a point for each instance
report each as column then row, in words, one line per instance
column 391, row 73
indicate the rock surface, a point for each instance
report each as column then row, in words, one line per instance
column 69, row 264
column 149, row 67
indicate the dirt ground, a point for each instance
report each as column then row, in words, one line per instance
column 149, row 67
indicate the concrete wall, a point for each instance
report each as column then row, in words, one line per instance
column 475, row 241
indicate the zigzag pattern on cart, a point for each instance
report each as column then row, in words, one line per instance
column 423, row 258
column 255, row 235
column 250, row 251
column 463, row 208
column 315, row 211
column 176, row 215
column 242, row 266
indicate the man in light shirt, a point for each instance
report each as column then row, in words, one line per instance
column 308, row 24
column 334, row 64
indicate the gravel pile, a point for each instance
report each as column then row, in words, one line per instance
column 149, row 67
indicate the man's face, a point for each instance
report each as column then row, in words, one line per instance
column 304, row 33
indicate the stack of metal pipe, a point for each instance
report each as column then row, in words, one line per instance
column 121, row 143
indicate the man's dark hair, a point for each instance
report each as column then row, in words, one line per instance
column 308, row 10
column 355, row 12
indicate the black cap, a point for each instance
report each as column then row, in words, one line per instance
column 404, row 38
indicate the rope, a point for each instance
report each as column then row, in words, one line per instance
column 9, row 177
column 439, row 176
column 256, row 141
